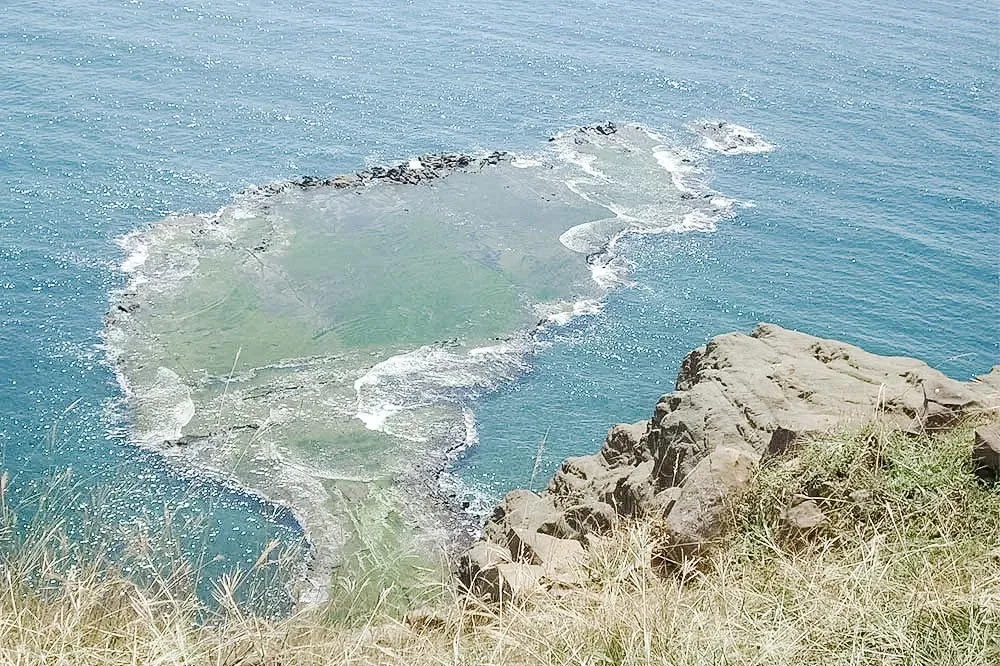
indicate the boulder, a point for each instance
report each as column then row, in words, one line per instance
column 699, row 516
column 803, row 517
column 589, row 518
column 662, row 503
column 551, row 553
column 775, row 386
column 517, row 582
column 506, row 582
column 558, row 561
column 520, row 509
column 497, row 574
column 624, row 445
column 986, row 454
column 633, row 493
column 477, row 569
column 583, row 479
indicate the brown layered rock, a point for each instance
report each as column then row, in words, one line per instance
column 737, row 398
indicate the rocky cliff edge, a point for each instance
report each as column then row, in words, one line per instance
column 738, row 398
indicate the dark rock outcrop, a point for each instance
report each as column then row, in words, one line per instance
column 738, row 398
column 417, row 170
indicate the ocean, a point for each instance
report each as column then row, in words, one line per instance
column 396, row 357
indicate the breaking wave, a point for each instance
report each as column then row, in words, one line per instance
column 434, row 375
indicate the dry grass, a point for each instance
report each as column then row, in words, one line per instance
column 906, row 571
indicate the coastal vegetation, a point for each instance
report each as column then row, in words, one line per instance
column 905, row 571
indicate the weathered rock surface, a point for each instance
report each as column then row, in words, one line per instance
column 804, row 516
column 986, row 454
column 737, row 398
column 477, row 569
column 698, row 517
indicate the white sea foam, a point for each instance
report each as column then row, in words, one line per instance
column 136, row 251
column 610, row 273
column 583, row 161
column 471, row 430
column 684, row 172
column 697, row 220
column 730, row 139
column 609, row 170
column 591, row 237
column 561, row 313
column 433, row 375
column 376, row 416
column 522, row 162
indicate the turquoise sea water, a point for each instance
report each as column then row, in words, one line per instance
column 874, row 220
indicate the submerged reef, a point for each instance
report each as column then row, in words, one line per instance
column 321, row 342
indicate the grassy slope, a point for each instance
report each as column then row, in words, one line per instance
column 906, row 572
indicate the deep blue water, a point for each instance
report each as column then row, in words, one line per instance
column 876, row 219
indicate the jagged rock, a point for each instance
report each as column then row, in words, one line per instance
column 804, row 516
column 663, row 502
column 589, row 518
column 505, row 582
column 520, row 509
column 740, row 389
column 698, row 517
column 583, row 479
column 559, row 558
column 633, row 493
column 477, row 569
column 516, row 582
column 688, row 424
column 986, row 454
column 737, row 397
column 623, row 445
column 486, row 571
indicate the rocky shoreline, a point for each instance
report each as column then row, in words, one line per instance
column 738, row 399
